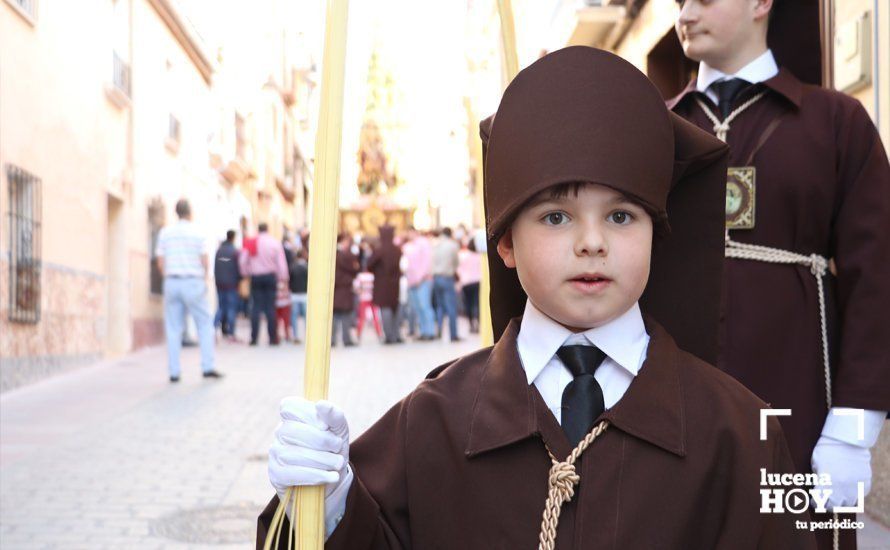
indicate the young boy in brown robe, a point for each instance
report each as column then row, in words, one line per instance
column 809, row 179
column 586, row 413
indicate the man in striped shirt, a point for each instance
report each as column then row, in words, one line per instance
column 183, row 260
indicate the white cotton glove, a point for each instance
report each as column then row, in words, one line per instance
column 847, row 465
column 311, row 447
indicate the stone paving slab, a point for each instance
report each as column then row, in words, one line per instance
column 114, row 456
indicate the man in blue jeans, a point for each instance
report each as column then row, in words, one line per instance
column 418, row 256
column 227, row 276
column 183, row 261
column 444, row 271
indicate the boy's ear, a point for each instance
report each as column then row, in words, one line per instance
column 505, row 249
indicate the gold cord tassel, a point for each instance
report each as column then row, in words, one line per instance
column 562, row 481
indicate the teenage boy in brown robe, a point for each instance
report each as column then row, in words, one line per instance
column 583, row 164
column 809, row 176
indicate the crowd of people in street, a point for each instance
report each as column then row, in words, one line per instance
column 406, row 286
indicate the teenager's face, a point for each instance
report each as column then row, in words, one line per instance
column 715, row 31
column 583, row 260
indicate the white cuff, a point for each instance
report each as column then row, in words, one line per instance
column 859, row 427
column 335, row 503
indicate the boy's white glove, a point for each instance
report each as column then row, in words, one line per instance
column 311, row 447
column 847, row 465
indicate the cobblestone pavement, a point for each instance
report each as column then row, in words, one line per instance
column 114, row 456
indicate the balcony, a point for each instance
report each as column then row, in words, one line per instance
column 237, row 167
column 588, row 22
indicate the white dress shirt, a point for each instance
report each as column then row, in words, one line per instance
column 623, row 340
column 762, row 68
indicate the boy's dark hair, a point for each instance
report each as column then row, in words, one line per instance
column 446, row 231
column 230, row 235
column 262, row 227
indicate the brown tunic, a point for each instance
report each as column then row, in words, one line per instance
column 384, row 264
column 346, row 267
column 461, row 463
column 823, row 186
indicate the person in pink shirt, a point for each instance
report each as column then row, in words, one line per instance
column 469, row 273
column 265, row 268
column 418, row 252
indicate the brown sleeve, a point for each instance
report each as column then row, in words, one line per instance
column 376, row 516
column 861, row 242
column 781, row 530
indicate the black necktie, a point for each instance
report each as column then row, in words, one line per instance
column 727, row 90
column 582, row 400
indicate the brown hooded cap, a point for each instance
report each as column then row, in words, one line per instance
column 585, row 115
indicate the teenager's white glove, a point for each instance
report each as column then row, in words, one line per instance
column 847, row 465
column 311, row 447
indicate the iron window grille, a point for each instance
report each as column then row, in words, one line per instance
column 25, row 264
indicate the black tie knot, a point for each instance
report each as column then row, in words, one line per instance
column 727, row 90
column 581, row 359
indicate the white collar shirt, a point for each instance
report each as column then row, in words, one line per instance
column 762, row 68
column 624, row 341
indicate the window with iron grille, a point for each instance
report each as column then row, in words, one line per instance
column 24, row 245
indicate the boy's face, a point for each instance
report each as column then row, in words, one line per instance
column 714, row 31
column 583, row 260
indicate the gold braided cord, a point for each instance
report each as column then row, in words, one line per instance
column 562, row 481
column 722, row 128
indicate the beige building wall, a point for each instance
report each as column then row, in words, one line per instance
column 55, row 122
column 166, row 83
column 874, row 96
column 102, row 157
column 114, row 159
